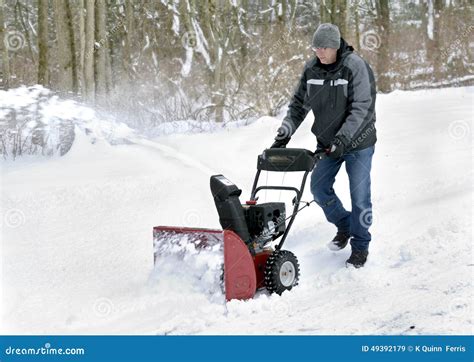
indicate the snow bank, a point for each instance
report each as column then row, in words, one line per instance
column 34, row 121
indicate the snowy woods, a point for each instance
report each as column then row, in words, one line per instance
column 150, row 64
column 158, row 61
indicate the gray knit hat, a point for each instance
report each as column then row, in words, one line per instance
column 327, row 36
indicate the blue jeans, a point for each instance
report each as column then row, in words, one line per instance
column 358, row 221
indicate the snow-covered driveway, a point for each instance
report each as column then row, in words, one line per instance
column 76, row 240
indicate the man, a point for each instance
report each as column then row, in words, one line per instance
column 339, row 87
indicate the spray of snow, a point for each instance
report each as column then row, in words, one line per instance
column 194, row 261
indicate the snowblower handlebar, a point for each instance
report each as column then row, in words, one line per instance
column 286, row 160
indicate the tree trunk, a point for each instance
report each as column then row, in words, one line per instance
column 127, row 51
column 219, row 91
column 100, row 58
column 186, row 10
column 82, row 46
column 292, row 24
column 89, row 84
column 342, row 17
column 383, row 55
column 109, row 50
column 323, row 11
column 108, row 66
column 67, row 80
column 19, row 9
column 281, row 12
column 357, row 24
column 4, row 52
column 339, row 15
column 433, row 24
column 436, row 45
column 43, row 73
column 266, row 14
column 72, row 45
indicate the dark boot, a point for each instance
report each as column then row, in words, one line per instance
column 357, row 258
column 340, row 241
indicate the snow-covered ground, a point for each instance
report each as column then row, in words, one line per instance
column 76, row 240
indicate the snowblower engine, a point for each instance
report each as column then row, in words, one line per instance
column 257, row 225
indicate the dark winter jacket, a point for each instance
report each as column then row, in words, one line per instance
column 342, row 97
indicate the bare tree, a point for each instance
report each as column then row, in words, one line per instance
column 127, row 51
column 434, row 13
column 339, row 15
column 324, row 11
column 100, row 58
column 383, row 55
column 355, row 11
column 66, row 47
column 4, row 51
column 335, row 12
column 219, row 57
column 88, row 71
column 43, row 71
column 82, row 45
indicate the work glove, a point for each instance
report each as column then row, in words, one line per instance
column 319, row 154
column 336, row 149
column 282, row 138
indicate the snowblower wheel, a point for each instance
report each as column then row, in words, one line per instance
column 281, row 271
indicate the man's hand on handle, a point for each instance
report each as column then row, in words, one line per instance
column 282, row 138
column 336, row 149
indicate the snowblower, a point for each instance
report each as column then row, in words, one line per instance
column 249, row 230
